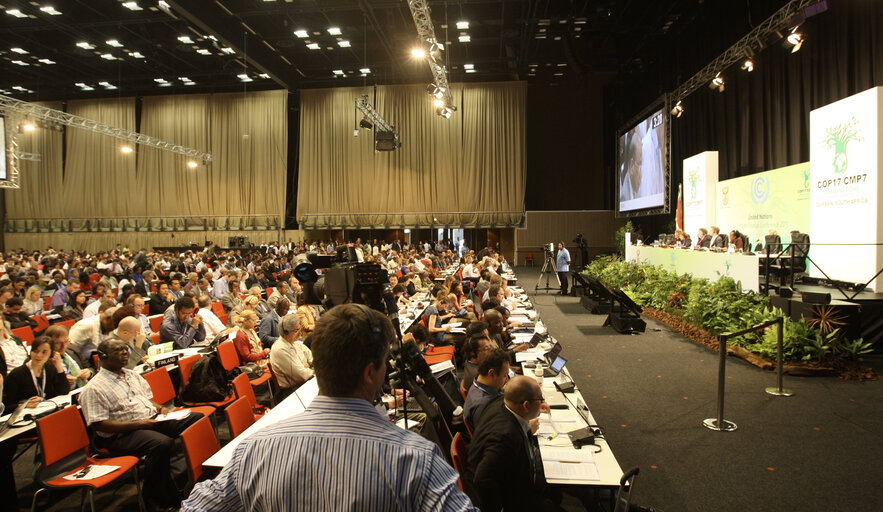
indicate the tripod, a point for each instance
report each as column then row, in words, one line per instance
column 548, row 270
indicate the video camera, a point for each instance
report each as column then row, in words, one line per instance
column 330, row 280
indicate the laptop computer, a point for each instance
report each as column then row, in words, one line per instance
column 553, row 352
column 14, row 418
column 555, row 368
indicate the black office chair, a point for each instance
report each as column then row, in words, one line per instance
column 800, row 242
column 774, row 243
column 624, row 494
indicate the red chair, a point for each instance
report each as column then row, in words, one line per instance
column 164, row 391
column 155, row 322
column 24, row 333
column 243, row 389
column 230, row 359
column 460, row 457
column 42, row 322
column 185, row 364
column 200, row 443
column 528, row 258
column 68, row 323
column 47, row 302
column 154, row 337
column 240, row 416
column 269, row 292
column 463, row 390
column 218, row 308
column 63, row 436
column 223, row 318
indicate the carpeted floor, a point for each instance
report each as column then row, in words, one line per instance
column 820, row 449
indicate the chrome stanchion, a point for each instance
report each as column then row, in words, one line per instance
column 778, row 391
column 719, row 423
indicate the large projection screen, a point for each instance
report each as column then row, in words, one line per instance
column 642, row 163
column 2, row 148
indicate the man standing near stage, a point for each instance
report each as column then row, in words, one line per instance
column 563, row 266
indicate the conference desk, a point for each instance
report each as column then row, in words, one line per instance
column 293, row 405
column 710, row 265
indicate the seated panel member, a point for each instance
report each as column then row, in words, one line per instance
column 339, row 454
column 703, row 239
column 117, row 404
column 493, row 374
column 718, row 241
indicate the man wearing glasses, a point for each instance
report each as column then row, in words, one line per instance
column 504, row 462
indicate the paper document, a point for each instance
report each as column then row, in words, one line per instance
column 174, row 415
column 441, row 368
column 91, row 472
column 570, row 470
column 528, row 355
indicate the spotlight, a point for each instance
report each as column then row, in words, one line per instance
column 191, row 164
column 748, row 65
column 444, row 112
column 717, row 83
column 28, row 127
column 435, row 50
column 438, row 103
column 795, row 39
column 364, row 123
column 678, row 109
column 126, row 149
column 418, row 53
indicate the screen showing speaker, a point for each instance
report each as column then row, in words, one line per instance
column 641, row 164
column 2, row 148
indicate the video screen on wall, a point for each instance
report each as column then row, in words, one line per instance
column 2, row 148
column 641, row 164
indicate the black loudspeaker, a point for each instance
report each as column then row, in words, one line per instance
column 594, row 306
column 625, row 324
column 816, row 298
column 786, row 292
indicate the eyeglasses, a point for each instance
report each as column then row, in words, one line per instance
column 540, row 399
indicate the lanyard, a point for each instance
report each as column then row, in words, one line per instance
column 41, row 388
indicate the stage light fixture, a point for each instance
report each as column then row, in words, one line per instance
column 126, row 149
column 677, row 110
column 748, row 64
column 27, row 127
column 438, row 103
column 795, row 39
column 444, row 112
column 717, row 83
column 418, row 53
column 366, row 124
column 191, row 164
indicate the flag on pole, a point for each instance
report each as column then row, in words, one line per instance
column 679, row 219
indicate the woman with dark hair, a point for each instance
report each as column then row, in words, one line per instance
column 73, row 310
column 40, row 378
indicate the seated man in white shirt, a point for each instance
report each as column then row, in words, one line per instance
column 92, row 308
column 213, row 326
column 292, row 361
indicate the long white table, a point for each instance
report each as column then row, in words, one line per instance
column 710, row 265
column 294, row 404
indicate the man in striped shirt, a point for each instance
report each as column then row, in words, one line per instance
column 340, row 454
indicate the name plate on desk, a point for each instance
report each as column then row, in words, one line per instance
column 164, row 360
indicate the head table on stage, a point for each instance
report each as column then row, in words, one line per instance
column 744, row 268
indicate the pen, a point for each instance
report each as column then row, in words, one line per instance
column 569, row 461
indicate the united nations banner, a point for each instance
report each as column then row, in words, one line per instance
column 845, row 141
column 700, row 184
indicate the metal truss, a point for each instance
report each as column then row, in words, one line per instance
column 426, row 32
column 750, row 44
column 368, row 111
column 39, row 112
column 12, row 170
column 30, row 157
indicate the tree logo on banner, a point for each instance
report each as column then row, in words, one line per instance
column 806, row 178
column 760, row 190
column 837, row 137
column 724, row 198
column 694, row 178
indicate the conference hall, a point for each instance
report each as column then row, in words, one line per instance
column 603, row 255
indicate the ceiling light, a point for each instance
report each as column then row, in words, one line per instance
column 334, row 31
column 50, row 10
column 562, row 64
column 471, row 71
column 717, row 83
column 364, row 71
column 189, row 83
column 313, row 46
column 559, row 74
column 126, row 149
column 20, row 63
column 86, row 46
column 438, row 103
column 191, row 164
column 132, row 6
column 338, row 72
column 579, row 21
column 17, row 13
column 185, row 39
column 544, row 23
column 160, row 80
column 137, row 55
column 244, row 77
column 677, row 110
column 165, row 84
column 343, row 44
column 265, row 76
column 301, row 33
column 28, row 127
column 462, row 25
column 464, row 39
column 114, row 43
column 795, row 39
column 748, row 65
column 203, row 51
column 183, row 79
column 444, row 112
column 46, row 61
column 19, row 51
column 87, row 88
column 107, row 85
column 468, row 66
column 107, row 56
column 418, row 53
column 228, row 50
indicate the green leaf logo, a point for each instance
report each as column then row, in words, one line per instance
column 837, row 137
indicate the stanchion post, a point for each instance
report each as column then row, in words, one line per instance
column 719, row 423
column 780, row 370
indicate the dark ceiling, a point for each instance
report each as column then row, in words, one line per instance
column 212, row 43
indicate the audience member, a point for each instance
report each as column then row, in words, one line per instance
column 184, row 327
column 268, row 329
column 76, row 376
column 292, row 361
column 33, row 302
column 40, row 378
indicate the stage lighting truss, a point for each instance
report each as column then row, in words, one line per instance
column 40, row 113
column 434, row 49
column 371, row 116
column 782, row 21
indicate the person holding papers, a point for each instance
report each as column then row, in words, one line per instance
column 117, row 405
column 504, row 466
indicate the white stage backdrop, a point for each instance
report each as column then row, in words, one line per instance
column 700, row 186
column 845, row 141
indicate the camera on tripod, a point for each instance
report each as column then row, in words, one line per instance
column 340, row 279
column 549, row 249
